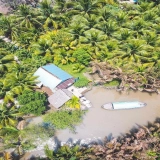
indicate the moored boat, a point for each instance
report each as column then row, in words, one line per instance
column 123, row 105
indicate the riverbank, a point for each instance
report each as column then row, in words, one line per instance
column 99, row 123
column 3, row 9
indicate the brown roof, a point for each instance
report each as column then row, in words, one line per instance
column 66, row 83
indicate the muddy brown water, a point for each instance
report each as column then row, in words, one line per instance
column 100, row 123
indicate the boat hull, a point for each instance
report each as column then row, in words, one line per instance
column 123, row 105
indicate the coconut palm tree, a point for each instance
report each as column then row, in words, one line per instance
column 28, row 36
column 121, row 18
column 9, row 27
column 91, row 20
column 150, row 16
column 108, row 27
column 123, row 34
column 90, row 6
column 134, row 50
column 73, row 103
column 150, row 37
column 46, row 7
column 6, row 60
column 62, row 6
column 28, row 17
column 8, row 116
column 77, row 29
column 56, row 22
column 93, row 37
column 42, row 47
column 104, row 14
column 138, row 25
column 144, row 6
column 15, row 83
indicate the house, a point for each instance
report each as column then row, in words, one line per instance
column 53, row 77
column 60, row 97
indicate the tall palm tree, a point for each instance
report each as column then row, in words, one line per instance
column 123, row 34
column 89, row 6
column 104, row 14
column 15, row 83
column 56, row 22
column 6, row 60
column 121, row 18
column 42, row 46
column 46, row 7
column 77, row 29
column 28, row 17
column 108, row 27
column 73, row 103
column 150, row 16
column 135, row 50
column 139, row 26
column 91, row 20
column 8, row 116
column 150, row 37
column 144, row 6
column 9, row 27
column 93, row 37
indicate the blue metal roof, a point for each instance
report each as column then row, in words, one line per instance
column 56, row 71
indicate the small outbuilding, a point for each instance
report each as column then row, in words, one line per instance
column 53, row 77
column 60, row 97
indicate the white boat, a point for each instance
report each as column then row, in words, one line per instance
column 123, row 105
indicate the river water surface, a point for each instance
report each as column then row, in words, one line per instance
column 100, row 123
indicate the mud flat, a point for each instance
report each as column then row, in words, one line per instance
column 3, row 9
column 98, row 123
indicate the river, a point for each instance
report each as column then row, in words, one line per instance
column 98, row 123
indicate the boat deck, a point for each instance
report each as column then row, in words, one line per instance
column 108, row 106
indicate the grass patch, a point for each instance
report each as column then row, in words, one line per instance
column 82, row 81
column 69, row 69
column 112, row 83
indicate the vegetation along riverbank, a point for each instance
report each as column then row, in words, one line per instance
column 118, row 44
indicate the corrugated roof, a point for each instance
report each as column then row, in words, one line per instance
column 47, row 79
column 56, row 71
column 59, row 98
column 66, row 83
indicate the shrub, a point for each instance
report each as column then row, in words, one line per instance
column 34, row 107
column 32, row 102
column 82, row 82
column 82, row 56
column 64, row 119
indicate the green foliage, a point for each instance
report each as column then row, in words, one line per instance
column 112, row 83
column 82, row 82
column 32, row 102
column 82, row 56
column 29, row 135
column 64, row 119
column 8, row 116
column 77, row 68
column 73, row 103
column 33, row 132
column 68, row 153
column 36, row 107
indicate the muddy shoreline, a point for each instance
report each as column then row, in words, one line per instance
column 100, row 123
